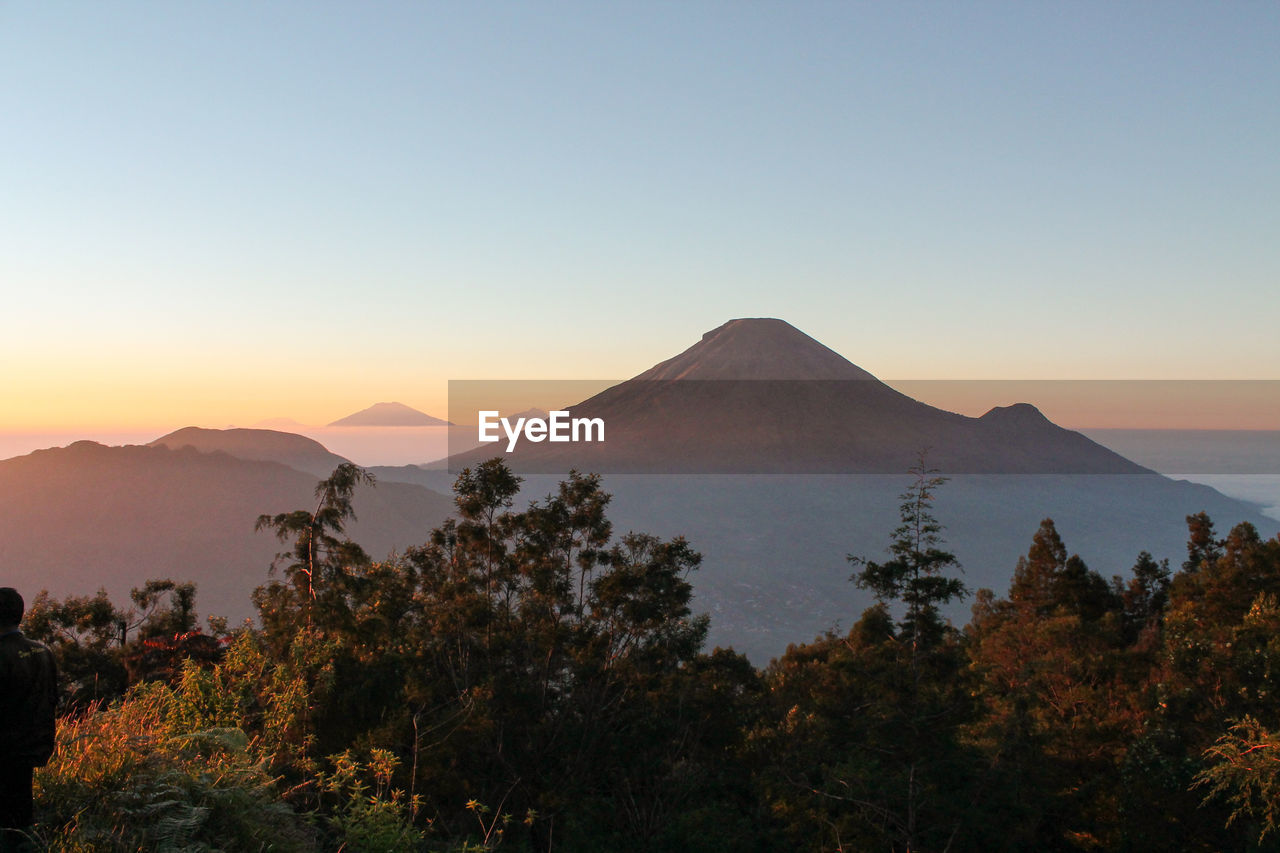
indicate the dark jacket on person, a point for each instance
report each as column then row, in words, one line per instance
column 28, row 700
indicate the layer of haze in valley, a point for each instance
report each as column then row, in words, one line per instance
column 1243, row 464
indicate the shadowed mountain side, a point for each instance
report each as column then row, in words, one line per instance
column 264, row 445
column 1197, row 451
column 805, row 427
column 774, row 547
column 760, row 397
column 86, row 516
column 437, row 479
column 802, row 427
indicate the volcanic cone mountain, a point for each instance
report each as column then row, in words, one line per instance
column 760, row 396
column 389, row 415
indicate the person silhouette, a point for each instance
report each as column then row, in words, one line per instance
column 28, row 707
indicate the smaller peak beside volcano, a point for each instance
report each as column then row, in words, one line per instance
column 389, row 414
column 1018, row 413
column 756, row 348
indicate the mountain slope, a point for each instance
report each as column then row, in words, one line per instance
column 76, row 518
column 817, row 449
column 774, row 570
column 266, row 445
column 756, row 348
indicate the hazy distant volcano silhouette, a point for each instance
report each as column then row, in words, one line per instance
column 389, row 415
column 760, row 396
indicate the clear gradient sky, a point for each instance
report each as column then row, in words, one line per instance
column 216, row 213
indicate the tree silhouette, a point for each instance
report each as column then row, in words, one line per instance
column 914, row 576
column 321, row 555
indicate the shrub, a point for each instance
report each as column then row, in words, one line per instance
column 130, row 777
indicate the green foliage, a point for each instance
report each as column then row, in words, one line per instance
column 86, row 635
column 493, row 826
column 1047, row 581
column 532, row 660
column 915, row 574
column 1222, row 660
column 540, row 651
column 866, row 752
column 869, row 724
column 90, row 637
column 1146, row 595
column 1244, row 770
column 178, row 618
column 1063, row 694
column 367, row 813
column 132, row 777
column 321, row 556
column 1203, row 547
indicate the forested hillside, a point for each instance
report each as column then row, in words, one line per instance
column 536, row 680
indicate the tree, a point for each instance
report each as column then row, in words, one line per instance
column 538, row 655
column 1047, row 580
column 1145, row 596
column 1218, row 677
column 102, row 649
column 868, row 725
column 914, row 576
column 178, row 618
column 321, row 560
column 1063, row 692
column 1218, row 658
column 168, row 636
column 1244, row 770
column 87, row 636
column 1203, row 548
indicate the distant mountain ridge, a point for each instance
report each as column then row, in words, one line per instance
column 76, row 518
column 760, row 396
column 389, row 415
column 264, row 445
